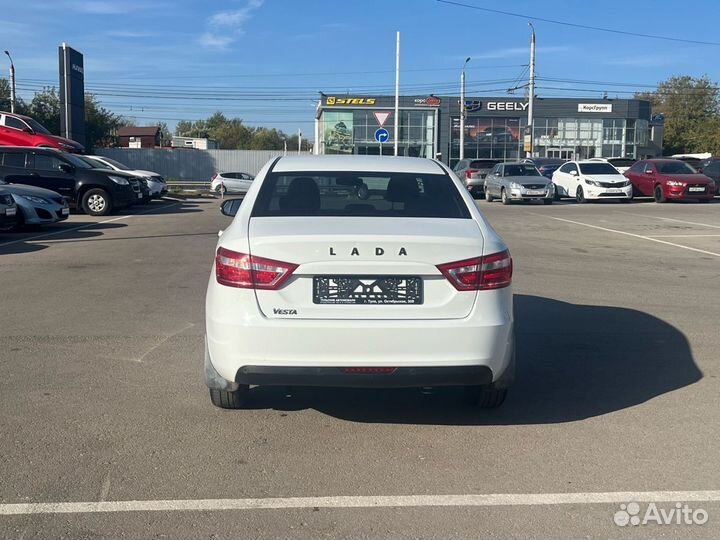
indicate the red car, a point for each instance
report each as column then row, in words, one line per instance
column 19, row 130
column 669, row 179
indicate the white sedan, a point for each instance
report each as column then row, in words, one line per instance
column 156, row 183
column 231, row 182
column 358, row 271
column 591, row 180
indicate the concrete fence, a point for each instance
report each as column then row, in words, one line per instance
column 190, row 164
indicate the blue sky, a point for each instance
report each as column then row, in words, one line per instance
column 265, row 60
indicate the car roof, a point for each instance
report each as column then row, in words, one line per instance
column 24, row 117
column 517, row 163
column 33, row 148
column 353, row 163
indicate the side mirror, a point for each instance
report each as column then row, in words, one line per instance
column 66, row 167
column 573, row 172
column 230, row 207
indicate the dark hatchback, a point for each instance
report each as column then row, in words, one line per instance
column 546, row 166
column 97, row 192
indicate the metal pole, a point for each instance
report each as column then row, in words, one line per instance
column 462, row 109
column 12, row 83
column 531, row 96
column 397, row 92
column 299, row 140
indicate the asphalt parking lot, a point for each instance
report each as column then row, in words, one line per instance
column 102, row 399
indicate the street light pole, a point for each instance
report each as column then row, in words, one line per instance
column 12, row 83
column 531, row 96
column 462, row 109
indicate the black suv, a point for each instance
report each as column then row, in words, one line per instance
column 96, row 191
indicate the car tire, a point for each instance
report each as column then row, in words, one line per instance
column 580, row 196
column 547, row 201
column 230, row 400
column 659, row 195
column 97, row 202
column 488, row 195
column 486, row 397
column 504, row 197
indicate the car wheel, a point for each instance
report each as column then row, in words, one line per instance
column 547, row 201
column 488, row 195
column 486, row 397
column 580, row 196
column 230, row 400
column 659, row 195
column 504, row 197
column 97, row 202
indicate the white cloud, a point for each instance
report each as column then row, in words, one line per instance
column 229, row 22
column 512, row 52
column 103, row 7
column 215, row 41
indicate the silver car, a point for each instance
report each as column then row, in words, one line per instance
column 473, row 172
column 518, row 181
column 37, row 206
column 231, row 182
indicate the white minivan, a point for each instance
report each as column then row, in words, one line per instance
column 358, row 271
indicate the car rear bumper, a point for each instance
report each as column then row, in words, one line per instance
column 333, row 376
column 246, row 347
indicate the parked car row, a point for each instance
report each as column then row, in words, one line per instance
column 598, row 179
column 45, row 183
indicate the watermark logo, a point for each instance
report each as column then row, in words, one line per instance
column 680, row 514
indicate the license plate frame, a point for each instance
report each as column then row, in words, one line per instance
column 696, row 189
column 368, row 290
column 10, row 212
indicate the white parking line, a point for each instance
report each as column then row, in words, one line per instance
column 650, row 239
column 679, row 221
column 397, row 501
column 86, row 225
column 683, row 235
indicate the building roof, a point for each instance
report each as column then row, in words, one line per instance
column 134, row 131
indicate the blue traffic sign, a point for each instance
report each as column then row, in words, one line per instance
column 382, row 135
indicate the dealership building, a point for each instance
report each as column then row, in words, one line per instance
column 494, row 127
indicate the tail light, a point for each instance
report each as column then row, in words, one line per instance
column 243, row 271
column 469, row 172
column 481, row 273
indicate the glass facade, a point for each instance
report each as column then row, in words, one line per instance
column 583, row 138
column 353, row 132
column 488, row 137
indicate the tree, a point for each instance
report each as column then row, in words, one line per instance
column 692, row 112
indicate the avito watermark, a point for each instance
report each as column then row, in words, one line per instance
column 680, row 514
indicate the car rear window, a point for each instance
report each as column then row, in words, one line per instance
column 13, row 159
column 363, row 194
column 483, row 163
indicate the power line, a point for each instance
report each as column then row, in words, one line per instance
column 576, row 25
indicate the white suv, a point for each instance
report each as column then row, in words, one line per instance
column 358, row 271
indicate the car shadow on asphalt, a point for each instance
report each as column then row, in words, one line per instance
column 167, row 206
column 22, row 242
column 573, row 362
